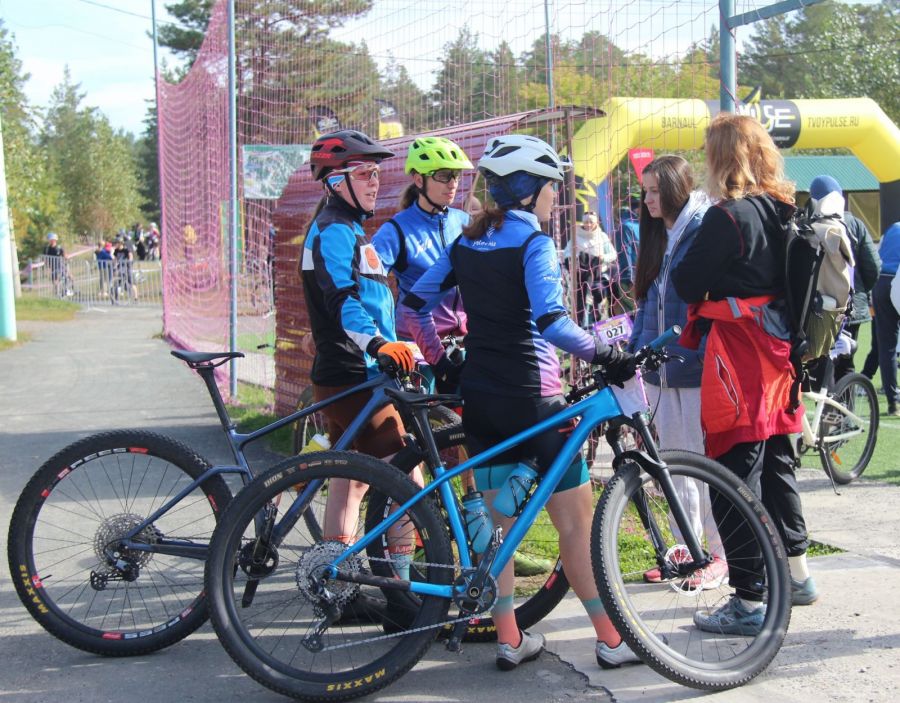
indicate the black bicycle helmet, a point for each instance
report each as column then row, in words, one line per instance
column 336, row 149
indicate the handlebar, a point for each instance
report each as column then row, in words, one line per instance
column 652, row 355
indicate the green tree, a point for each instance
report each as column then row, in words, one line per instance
column 33, row 198
column 410, row 101
column 185, row 37
column 147, row 159
column 459, row 90
column 829, row 50
column 93, row 164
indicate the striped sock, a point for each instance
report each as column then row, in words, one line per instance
column 504, row 616
column 602, row 624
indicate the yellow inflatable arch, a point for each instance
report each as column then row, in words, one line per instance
column 858, row 124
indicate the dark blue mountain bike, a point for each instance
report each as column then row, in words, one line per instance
column 280, row 596
column 108, row 540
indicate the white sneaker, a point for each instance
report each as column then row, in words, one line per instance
column 509, row 657
column 613, row 657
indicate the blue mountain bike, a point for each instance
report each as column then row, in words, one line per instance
column 282, row 599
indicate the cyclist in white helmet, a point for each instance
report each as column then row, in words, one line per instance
column 508, row 272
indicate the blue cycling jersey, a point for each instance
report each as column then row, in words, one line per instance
column 351, row 307
column 510, row 280
column 409, row 252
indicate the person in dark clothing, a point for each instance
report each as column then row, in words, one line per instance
column 737, row 258
column 865, row 272
column 887, row 319
column 55, row 260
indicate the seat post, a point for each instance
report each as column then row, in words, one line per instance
column 207, row 373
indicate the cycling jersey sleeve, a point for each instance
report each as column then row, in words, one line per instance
column 544, row 286
column 387, row 243
column 425, row 295
column 337, row 274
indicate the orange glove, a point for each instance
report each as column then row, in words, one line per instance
column 398, row 353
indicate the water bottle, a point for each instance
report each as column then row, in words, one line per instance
column 317, row 443
column 478, row 521
column 513, row 493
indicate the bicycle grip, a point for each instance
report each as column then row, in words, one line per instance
column 668, row 337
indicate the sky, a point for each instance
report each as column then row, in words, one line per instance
column 104, row 44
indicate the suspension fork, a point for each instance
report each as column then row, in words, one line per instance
column 650, row 461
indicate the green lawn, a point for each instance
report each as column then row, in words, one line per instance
column 45, row 309
column 254, row 409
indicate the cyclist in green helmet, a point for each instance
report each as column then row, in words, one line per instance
column 410, row 242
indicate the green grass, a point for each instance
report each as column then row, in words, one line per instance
column 253, row 410
column 257, row 343
column 45, row 309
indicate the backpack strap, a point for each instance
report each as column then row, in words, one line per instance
column 401, row 263
column 797, row 344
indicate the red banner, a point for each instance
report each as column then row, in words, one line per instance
column 639, row 159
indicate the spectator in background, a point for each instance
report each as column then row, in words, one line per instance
column 103, row 254
column 154, row 243
column 594, row 257
column 627, row 236
column 865, row 273
column 887, row 320
column 55, row 260
column 124, row 264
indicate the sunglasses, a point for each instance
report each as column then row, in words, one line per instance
column 445, row 175
column 364, row 174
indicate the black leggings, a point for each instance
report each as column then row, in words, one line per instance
column 767, row 467
column 489, row 419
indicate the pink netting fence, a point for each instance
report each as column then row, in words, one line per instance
column 401, row 67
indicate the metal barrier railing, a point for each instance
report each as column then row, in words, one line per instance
column 96, row 283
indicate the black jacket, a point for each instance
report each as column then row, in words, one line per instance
column 868, row 266
column 737, row 252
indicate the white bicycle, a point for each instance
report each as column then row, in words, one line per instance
column 841, row 424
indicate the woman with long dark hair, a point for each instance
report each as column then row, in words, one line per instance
column 734, row 271
column 508, row 272
column 671, row 213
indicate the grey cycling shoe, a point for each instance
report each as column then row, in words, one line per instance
column 509, row 657
column 613, row 657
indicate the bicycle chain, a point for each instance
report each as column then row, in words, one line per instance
column 403, row 633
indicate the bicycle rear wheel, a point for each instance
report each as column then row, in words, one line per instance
column 657, row 620
column 848, row 443
column 265, row 604
column 71, row 514
column 541, row 582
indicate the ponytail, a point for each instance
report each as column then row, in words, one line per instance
column 483, row 221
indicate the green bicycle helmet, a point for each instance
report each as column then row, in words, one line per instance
column 428, row 154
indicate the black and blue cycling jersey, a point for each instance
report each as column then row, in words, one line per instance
column 510, row 280
column 351, row 307
column 409, row 244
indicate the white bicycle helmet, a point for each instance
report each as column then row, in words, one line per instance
column 518, row 152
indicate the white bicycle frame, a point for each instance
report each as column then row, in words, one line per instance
column 821, row 399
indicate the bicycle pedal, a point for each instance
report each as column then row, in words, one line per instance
column 454, row 643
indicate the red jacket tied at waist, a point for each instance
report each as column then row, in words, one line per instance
column 747, row 374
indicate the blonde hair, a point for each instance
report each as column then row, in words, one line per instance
column 743, row 160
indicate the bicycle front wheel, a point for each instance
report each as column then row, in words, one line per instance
column 62, row 551
column 848, row 434
column 286, row 624
column 660, row 621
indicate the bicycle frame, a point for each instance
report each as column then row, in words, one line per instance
column 597, row 408
column 236, row 443
column 822, row 399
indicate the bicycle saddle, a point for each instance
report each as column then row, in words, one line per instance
column 198, row 359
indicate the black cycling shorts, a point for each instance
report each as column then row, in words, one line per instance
column 489, row 419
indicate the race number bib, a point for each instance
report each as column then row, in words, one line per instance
column 614, row 329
